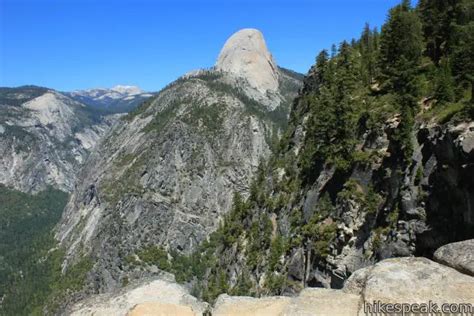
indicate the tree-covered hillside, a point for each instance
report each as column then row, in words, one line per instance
column 26, row 223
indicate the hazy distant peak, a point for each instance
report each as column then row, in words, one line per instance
column 120, row 98
column 128, row 90
column 122, row 90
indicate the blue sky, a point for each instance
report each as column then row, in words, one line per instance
column 72, row 44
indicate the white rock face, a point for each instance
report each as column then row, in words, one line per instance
column 51, row 108
column 116, row 92
column 245, row 55
column 167, row 174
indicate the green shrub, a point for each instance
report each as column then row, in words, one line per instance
column 244, row 285
column 275, row 283
column 277, row 249
column 156, row 256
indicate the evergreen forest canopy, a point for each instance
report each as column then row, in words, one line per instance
column 25, row 241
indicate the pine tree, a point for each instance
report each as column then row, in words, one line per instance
column 448, row 28
column 348, row 70
column 345, row 106
column 401, row 49
column 366, row 39
column 462, row 44
column 321, row 65
column 368, row 49
column 444, row 83
column 401, row 46
column 405, row 5
column 438, row 17
column 333, row 50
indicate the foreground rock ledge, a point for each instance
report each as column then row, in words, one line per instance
column 458, row 255
column 161, row 309
column 157, row 297
column 410, row 280
column 398, row 280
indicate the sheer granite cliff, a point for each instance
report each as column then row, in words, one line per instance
column 245, row 55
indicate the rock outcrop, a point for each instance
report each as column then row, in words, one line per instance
column 246, row 306
column 410, row 280
column 398, row 281
column 458, row 255
column 246, row 56
column 154, row 297
column 164, row 298
column 161, row 309
column 45, row 137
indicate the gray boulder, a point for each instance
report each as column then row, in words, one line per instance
column 458, row 255
column 410, row 280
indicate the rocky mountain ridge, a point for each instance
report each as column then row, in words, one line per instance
column 44, row 137
column 167, row 173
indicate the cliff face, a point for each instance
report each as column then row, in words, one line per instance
column 418, row 207
column 416, row 210
column 321, row 232
column 245, row 55
column 44, row 138
column 447, row 156
column 167, row 172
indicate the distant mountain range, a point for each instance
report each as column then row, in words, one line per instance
column 118, row 99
